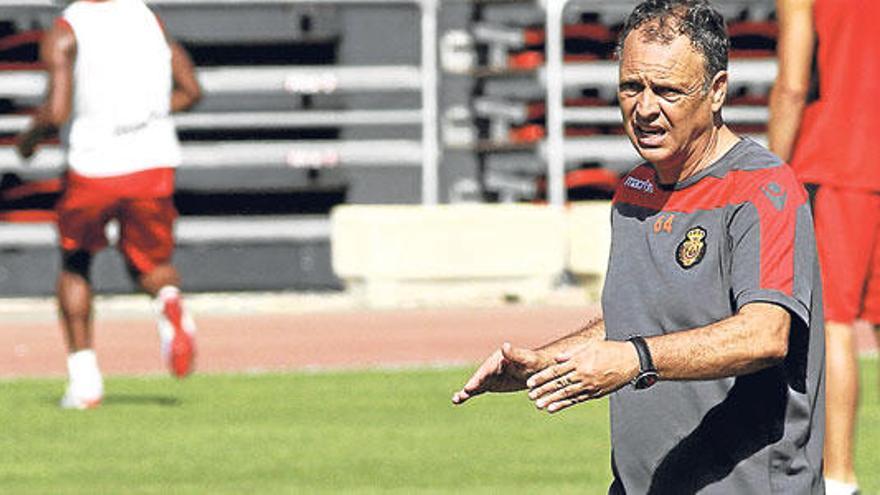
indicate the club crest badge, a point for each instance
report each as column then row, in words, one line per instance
column 692, row 248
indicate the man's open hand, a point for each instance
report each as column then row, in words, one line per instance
column 506, row 370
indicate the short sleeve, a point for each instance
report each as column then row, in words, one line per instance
column 773, row 248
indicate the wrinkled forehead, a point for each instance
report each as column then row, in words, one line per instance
column 675, row 54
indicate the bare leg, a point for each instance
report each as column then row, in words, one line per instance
column 161, row 276
column 841, row 402
column 85, row 386
column 75, row 305
column 176, row 327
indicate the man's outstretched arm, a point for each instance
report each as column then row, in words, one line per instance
column 753, row 339
column 508, row 368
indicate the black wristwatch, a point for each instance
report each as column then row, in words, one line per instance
column 647, row 372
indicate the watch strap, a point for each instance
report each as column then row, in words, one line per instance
column 646, row 363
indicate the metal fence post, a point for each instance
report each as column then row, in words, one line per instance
column 430, row 139
column 555, row 125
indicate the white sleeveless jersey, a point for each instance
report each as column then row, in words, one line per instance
column 120, row 121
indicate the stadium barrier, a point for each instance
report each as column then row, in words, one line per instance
column 230, row 81
column 588, row 234
column 279, row 154
column 399, row 255
column 213, row 254
column 262, row 120
column 188, row 231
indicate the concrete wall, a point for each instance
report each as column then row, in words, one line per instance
column 398, row 255
column 204, row 268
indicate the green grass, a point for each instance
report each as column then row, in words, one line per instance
column 868, row 435
column 352, row 432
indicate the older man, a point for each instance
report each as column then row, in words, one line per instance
column 712, row 332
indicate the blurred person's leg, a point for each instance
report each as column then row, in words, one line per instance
column 846, row 224
column 841, row 401
column 74, row 294
column 147, row 243
column 160, row 276
column 82, row 217
column 871, row 311
column 85, row 387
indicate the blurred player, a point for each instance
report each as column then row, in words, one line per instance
column 826, row 126
column 114, row 78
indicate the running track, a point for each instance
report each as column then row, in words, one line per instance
column 274, row 332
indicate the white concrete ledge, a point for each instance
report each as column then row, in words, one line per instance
column 397, row 255
column 589, row 244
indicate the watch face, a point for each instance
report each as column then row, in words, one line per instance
column 646, row 379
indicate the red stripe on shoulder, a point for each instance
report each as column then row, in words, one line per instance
column 751, row 185
column 640, row 188
column 710, row 193
column 775, row 192
column 777, row 195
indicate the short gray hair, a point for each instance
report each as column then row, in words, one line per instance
column 696, row 19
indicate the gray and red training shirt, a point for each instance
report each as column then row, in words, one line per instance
column 686, row 256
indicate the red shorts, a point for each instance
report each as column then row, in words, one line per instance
column 140, row 202
column 848, row 239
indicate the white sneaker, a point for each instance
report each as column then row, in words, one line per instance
column 72, row 400
column 85, row 387
column 834, row 487
column 177, row 333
